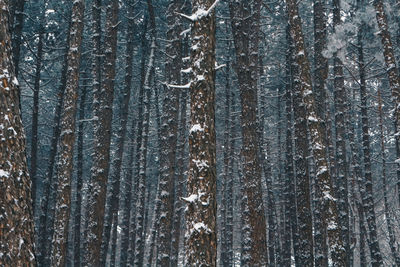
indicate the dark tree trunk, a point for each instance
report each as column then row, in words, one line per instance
column 67, row 139
column 16, row 216
column 102, row 138
column 79, row 176
column 201, row 213
column 169, row 130
column 45, row 232
column 367, row 197
column 245, row 19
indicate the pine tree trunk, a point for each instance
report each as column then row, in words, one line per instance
column 368, row 201
column 201, row 211
column 389, row 224
column 17, row 26
column 320, row 76
column 245, row 19
column 309, row 116
column 79, row 177
column 393, row 75
column 67, row 139
column 102, row 138
column 16, row 216
column 169, row 130
column 141, row 184
column 139, row 140
column 35, row 110
column 340, row 100
column 288, row 194
column 179, row 182
column 96, row 87
column 46, row 219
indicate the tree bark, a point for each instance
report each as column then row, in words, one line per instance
column 102, row 135
column 169, row 130
column 65, row 164
column 307, row 115
column 79, row 177
column 201, row 235
column 245, row 19
column 367, row 197
column 16, row 216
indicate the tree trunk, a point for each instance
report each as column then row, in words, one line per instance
column 67, row 136
column 79, row 177
column 393, row 75
column 16, row 216
column 340, row 100
column 169, row 130
column 320, row 76
column 141, row 184
column 367, row 197
column 45, row 231
column 35, row 109
column 102, row 138
column 389, row 224
column 308, row 114
column 201, row 211
column 245, row 19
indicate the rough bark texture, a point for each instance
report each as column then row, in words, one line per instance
column 320, row 76
column 201, row 232
column 245, row 19
column 367, row 184
column 45, row 231
column 102, row 138
column 79, row 176
column 169, row 129
column 393, row 74
column 16, row 216
column 340, row 99
column 35, row 109
column 303, row 94
column 67, row 139
column 141, row 182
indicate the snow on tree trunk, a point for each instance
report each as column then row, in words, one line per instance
column 201, row 211
column 141, row 182
column 16, row 216
column 307, row 116
column 103, row 104
column 245, row 19
column 67, row 139
column 320, row 76
column 169, row 129
column 367, row 184
column 393, row 75
column 340, row 100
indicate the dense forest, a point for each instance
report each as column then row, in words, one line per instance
column 199, row 133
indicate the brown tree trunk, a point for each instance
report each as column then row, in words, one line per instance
column 16, row 216
column 65, row 164
column 169, row 130
column 201, row 213
column 102, row 136
column 245, row 19
column 79, row 176
column 309, row 116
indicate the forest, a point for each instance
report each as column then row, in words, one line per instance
column 199, row 133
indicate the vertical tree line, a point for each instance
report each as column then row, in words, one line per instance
column 199, row 133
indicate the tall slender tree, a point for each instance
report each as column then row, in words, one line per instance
column 102, row 135
column 201, row 235
column 67, row 138
column 305, row 103
column 16, row 216
column 169, row 130
column 245, row 21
